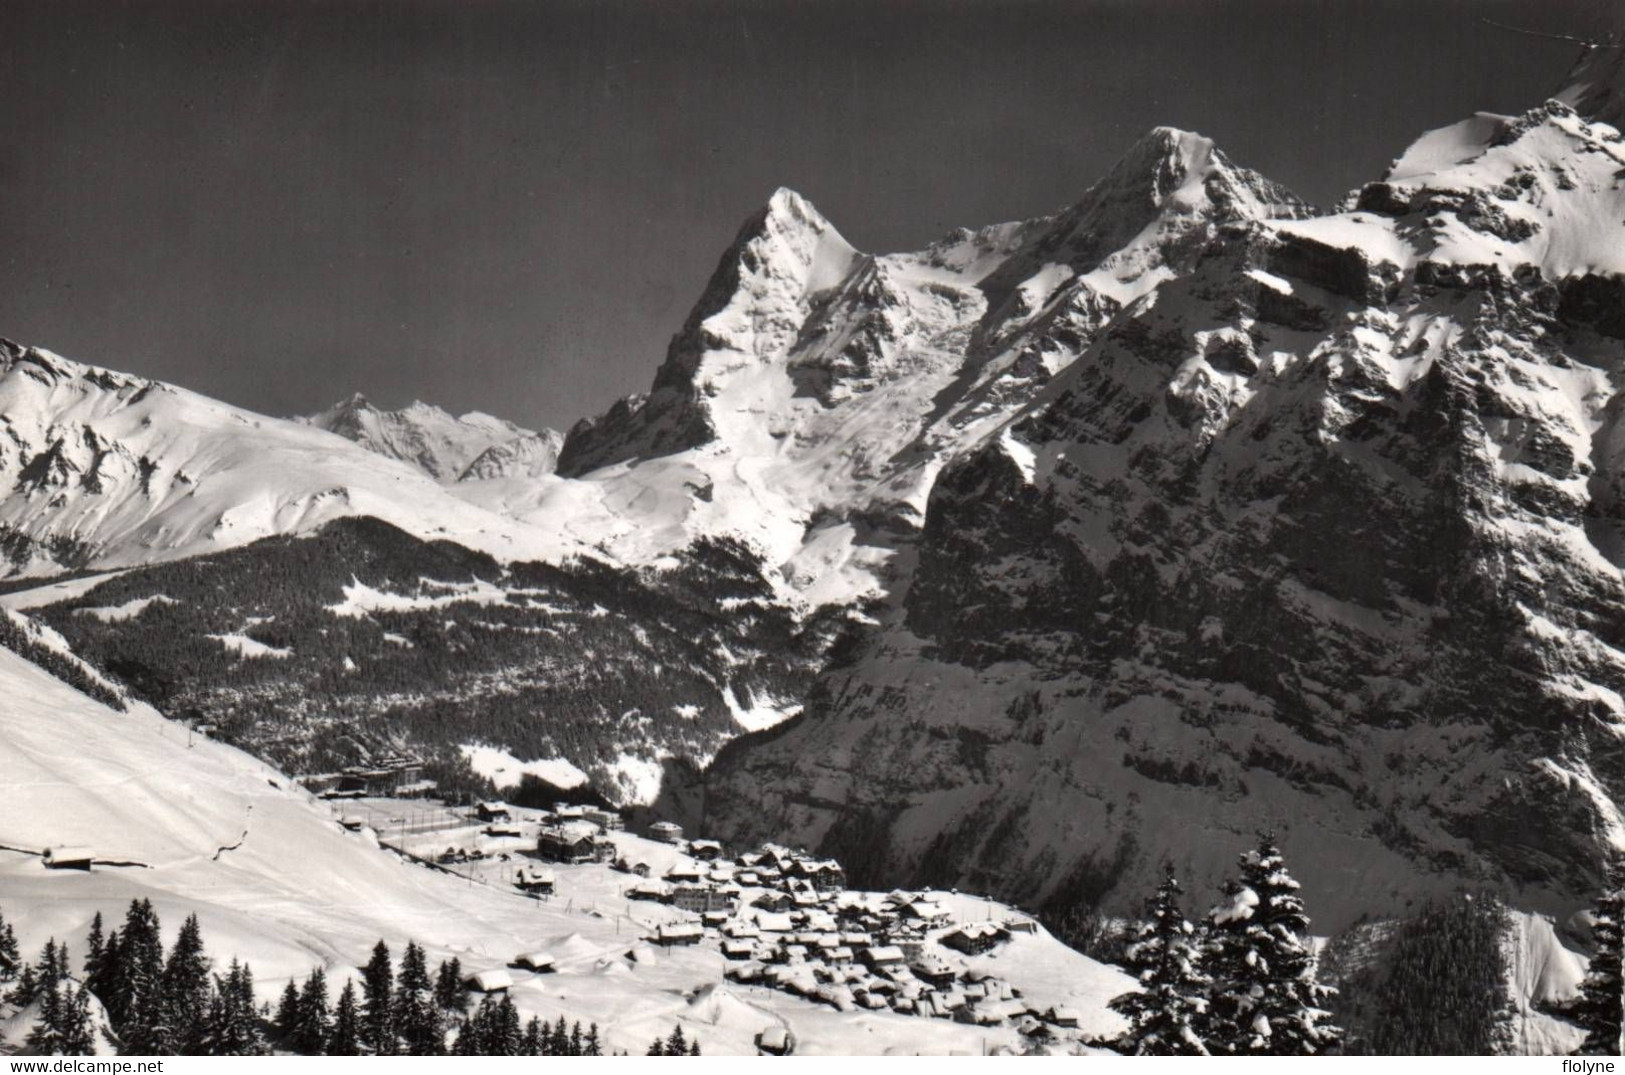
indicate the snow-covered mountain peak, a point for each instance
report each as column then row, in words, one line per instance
column 1498, row 194
column 426, row 436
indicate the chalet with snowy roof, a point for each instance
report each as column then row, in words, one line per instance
column 605, row 818
column 679, row 933
column 882, row 956
column 817, row 921
column 737, row 948
column 569, row 843
column 684, row 873
column 535, row 881
column 773, row 902
column 1064, row 1017
column 652, row 891
column 935, row 972
column 974, row 938
column 666, row 832
column 536, row 962
column 826, row 875
column 705, row 850
column 775, row 923
column 775, row 1041
column 492, row 811
column 488, row 981
column 67, row 857
column 927, row 913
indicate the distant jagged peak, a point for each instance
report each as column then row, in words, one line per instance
column 790, row 239
column 422, row 434
column 1169, row 166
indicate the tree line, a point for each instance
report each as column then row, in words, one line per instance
column 159, row 1003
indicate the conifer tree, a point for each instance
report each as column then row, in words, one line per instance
column 186, row 990
column 531, row 1044
column 345, row 1038
column 467, row 1043
column 657, row 1049
column 677, row 1045
column 287, row 1011
column 501, row 1035
column 95, row 942
column 1598, row 1007
column 575, row 1040
column 76, row 1036
column 694, row 1047
column 1166, row 1016
column 45, row 1036
column 378, row 1001
column 1265, row 999
column 135, row 1004
column 22, row 994
column 312, row 1021
column 450, row 994
column 10, row 956
column 593, row 1046
column 416, row 1019
column 233, row 1027
column 100, row 976
column 51, row 967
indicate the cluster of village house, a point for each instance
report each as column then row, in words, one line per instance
column 786, row 920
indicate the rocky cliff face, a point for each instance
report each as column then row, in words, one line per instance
column 1321, row 534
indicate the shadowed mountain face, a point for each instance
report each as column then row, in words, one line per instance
column 322, row 650
column 1322, row 536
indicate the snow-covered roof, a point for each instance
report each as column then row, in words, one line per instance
column 681, row 929
column 488, row 981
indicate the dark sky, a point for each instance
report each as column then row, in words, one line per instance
column 511, row 206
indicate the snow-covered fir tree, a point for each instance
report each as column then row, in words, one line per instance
column 234, row 1028
column 1598, row 1007
column 345, row 1037
column 378, row 1001
column 417, row 1020
column 312, row 1022
column 1265, row 1000
column 1166, row 1015
column 185, row 990
column 10, row 958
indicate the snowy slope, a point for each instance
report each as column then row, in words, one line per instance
column 106, row 469
column 293, row 889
